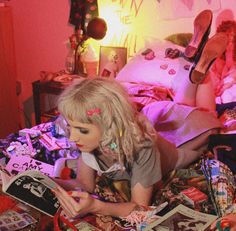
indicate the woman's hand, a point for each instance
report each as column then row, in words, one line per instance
column 224, row 222
column 76, row 203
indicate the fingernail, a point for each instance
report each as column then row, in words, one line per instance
column 69, row 193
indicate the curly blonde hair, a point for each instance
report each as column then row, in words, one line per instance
column 227, row 26
column 118, row 120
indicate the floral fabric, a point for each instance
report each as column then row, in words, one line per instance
column 180, row 180
column 221, row 184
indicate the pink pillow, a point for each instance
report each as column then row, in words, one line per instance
column 159, row 71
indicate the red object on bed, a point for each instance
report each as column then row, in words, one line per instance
column 6, row 203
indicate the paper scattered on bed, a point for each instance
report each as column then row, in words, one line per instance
column 19, row 163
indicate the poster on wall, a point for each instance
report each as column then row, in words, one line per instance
column 134, row 23
column 174, row 9
column 128, row 22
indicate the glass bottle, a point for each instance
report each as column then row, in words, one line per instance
column 70, row 61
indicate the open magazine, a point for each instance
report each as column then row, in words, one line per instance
column 33, row 188
column 182, row 218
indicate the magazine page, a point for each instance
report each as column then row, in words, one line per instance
column 84, row 226
column 7, row 178
column 42, row 177
column 182, row 218
column 34, row 189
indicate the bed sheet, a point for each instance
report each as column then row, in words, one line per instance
column 110, row 191
column 166, row 72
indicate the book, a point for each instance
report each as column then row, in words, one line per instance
column 194, row 196
column 182, row 218
column 32, row 188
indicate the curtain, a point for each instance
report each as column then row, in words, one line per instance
column 81, row 12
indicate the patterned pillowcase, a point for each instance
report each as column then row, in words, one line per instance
column 161, row 71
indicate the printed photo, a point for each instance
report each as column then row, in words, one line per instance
column 112, row 60
column 180, row 222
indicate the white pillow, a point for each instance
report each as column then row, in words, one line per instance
column 161, row 71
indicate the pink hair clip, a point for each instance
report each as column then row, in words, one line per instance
column 93, row 111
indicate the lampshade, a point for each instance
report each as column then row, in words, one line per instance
column 96, row 28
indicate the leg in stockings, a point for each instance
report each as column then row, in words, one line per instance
column 193, row 149
column 205, row 96
column 196, row 95
column 186, row 93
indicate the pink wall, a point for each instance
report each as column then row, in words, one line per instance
column 41, row 30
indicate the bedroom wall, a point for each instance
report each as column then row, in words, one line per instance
column 41, row 30
column 139, row 21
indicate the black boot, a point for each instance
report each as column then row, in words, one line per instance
column 213, row 48
column 202, row 27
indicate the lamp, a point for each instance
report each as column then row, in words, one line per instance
column 95, row 30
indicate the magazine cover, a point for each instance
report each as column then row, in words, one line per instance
column 182, row 218
column 33, row 188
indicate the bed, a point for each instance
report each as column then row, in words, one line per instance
column 164, row 74
column 161, row 77
column 157, row 80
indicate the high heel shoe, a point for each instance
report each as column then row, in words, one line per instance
column 214, row 48
column 202, row 27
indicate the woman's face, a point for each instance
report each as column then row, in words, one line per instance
column 86, row 136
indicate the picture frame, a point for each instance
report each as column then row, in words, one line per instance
column 112, row 60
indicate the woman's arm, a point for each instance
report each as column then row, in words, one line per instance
column 79, row 203
column 139, row 196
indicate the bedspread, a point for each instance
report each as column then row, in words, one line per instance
column 220, row 193
column 176, row 182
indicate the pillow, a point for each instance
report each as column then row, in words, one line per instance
column 158, row 71
column 181, row 39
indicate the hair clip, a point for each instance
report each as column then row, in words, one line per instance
column 93, row 111
column 113, row 146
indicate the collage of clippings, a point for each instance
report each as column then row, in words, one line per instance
column 12, row 220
